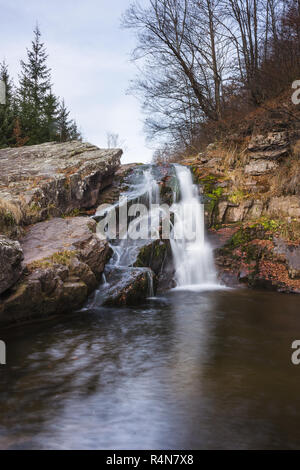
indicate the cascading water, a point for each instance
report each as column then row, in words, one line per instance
column 192, row 254
column 146, row 192
column 143, row 189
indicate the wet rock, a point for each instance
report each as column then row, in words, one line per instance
column 128, row 286
column 270, row 154
column 111, row 194
column 11, row 257
column 157, row 256
column 166, row 177
column 52, row 179
column 154, row 255
column 222, row 208
column 229, row 213
column 64, row 262
column 202, row 158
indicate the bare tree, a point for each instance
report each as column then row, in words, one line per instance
column 183, row 57
column 201, row 61
column 112, row 140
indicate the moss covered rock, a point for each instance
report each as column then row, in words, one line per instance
column 64, row 260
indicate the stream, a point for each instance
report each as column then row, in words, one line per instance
column 200, row 366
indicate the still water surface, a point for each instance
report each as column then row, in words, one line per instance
column 192, row 370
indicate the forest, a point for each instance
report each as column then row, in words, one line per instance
column 205, row 64
column 32, row 113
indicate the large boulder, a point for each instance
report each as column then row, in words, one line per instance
column 11, row 257
column 64, row 262
column 52, row 179
column 127, row 286
column 154, row 255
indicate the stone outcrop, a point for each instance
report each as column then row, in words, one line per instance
column 291, row 256
column 265, row 152
column 127, row 286
column 261, row 260
column 51, row 179
column 11, row 257
column 284, row 206
column 260, row 167
column 64, row 260
column 111, row 194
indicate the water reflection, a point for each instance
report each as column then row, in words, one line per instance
column 192, row 370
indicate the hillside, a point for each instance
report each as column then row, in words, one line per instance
column 252, row 182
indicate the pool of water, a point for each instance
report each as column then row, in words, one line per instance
column 191, row 370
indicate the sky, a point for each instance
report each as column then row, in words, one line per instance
column 89, row 54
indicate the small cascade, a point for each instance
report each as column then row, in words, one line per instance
column 142, row 189
column 192, row 254
column 145, row 192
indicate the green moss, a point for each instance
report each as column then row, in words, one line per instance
column 40, row 264
column 8, row 218
column 152, row 256
column 237, row 196
column 240, row 238
column 270, row 225
column 264, row 229
column 63, row 257
column 214, row 197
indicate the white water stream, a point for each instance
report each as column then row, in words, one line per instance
column 193, row 255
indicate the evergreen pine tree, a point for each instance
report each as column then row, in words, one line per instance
column 8, row 110
column 64, row 123
column 33, row 114
column 67, row 128
column 35, row 86
column 50, row 120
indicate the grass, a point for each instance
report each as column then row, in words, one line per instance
column 63, row 258
column 10, row 214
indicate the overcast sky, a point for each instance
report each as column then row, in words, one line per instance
column 90, row 59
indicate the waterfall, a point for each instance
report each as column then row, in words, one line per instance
column 142, row 189
column 145, row 191
column 192, row 254
column 145, row 209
